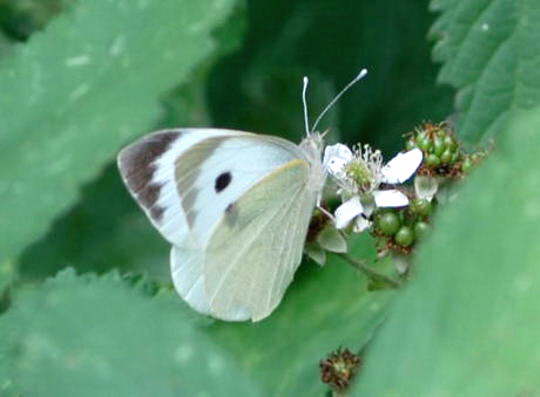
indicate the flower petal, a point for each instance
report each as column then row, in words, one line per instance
column 347, row 211
column 390, row 198
column 361, row 224
column 402, row 167
column 335, row 158
column 425, row 187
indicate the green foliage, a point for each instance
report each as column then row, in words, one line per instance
column 100, row 336
column 258, row 89
column 330, row 42
column 93, row 75
column 79, row 91
column 468, row 324
column 326, row 308
column 20, row 18
column 491, row 54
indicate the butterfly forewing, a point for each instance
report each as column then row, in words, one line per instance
column 216, row 172
column 147, row 167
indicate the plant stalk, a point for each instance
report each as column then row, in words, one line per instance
column 369, row 272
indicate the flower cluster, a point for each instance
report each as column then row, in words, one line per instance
column 374, row 197
column 366, row 183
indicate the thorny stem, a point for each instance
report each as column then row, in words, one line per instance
column 369, row 272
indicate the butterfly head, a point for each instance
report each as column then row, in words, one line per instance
column 312, row 130
column 313, row 144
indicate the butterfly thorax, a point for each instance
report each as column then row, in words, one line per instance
column 312, row 146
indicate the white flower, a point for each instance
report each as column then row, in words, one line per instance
column 359, row 176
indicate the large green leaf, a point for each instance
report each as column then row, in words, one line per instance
column 84, row 333
column 89, row 336
column 491, row 53
column 74, row 94
column 469, row 323
column 98, row 233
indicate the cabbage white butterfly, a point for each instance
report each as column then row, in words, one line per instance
column 235, row 206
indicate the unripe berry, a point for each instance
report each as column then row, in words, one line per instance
column 410, row 145
column 432, row 161
column 441, row 133
column 424, row 143
column 421, row 229
column 450, row 143
column 446, row 157
column 467, row 165
column 421, row 207
column 476, row 158
column 438, row 146
column 404, row 236
column 388, row 223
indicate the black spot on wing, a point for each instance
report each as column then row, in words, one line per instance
column 222, row 181
column 136, row 164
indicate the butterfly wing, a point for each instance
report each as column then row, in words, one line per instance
column 147, row 167
column 172, row 174
column 257, row 245
column 186, row 179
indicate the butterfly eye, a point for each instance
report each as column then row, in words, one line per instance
column 222, row 181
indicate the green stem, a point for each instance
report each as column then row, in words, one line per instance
column 369, row 272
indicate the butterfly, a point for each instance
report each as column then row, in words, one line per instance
column 235, row 206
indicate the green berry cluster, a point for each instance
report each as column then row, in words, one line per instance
column 401, row 228
column 441, row 149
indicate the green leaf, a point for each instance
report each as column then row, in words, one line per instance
column 94, row 235
column 76, row 93
column 468, row 325
column 325, row 308
column 97, row 235
column 491, row 54
column 100, row 336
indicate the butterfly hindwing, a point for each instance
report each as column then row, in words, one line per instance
column 257, row 246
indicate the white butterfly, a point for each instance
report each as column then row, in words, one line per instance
column 235, row 206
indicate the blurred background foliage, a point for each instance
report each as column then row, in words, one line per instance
column 253, row 83
column 124, row 330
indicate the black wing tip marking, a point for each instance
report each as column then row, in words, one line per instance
column 136, row 165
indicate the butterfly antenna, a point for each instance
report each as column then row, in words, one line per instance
column 359, row 77
column 304, row 101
